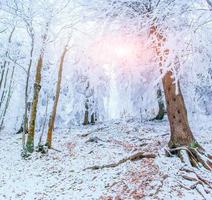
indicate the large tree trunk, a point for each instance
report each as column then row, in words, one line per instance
column 181, row 134
column 180, row 131
column 54, row 109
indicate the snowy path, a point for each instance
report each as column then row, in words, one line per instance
column 60, row 175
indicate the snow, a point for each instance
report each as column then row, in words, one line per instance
column 61, row 175
column 112, row 70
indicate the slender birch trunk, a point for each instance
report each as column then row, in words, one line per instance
column 8, row 97
column 4, row 87
column 25, row 120
column 3, row 68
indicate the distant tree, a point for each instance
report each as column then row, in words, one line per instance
column 6, row 79
column 161, row 105
column 89, row 114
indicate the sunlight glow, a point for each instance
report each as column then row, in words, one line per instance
column 112, row 51
column 123, row 51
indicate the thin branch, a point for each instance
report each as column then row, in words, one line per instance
column 133, row 157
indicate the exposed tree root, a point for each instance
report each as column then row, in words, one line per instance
column 133, row 157
column 192, row 156
column 197, row 177
column 201, row 185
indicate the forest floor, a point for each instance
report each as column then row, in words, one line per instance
column 62, row 175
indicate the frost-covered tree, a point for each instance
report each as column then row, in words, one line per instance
column 167, row 22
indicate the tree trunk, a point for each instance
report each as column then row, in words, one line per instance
column 37, row 87
column 54, row 109
column 4, row 89
column 86, row 115
column 93, row 118
column 8, row 97
column 181, row 134
column 180, row 131
column 44, row 123
column 25, row 119
column 4, row 81
column 3, row 67
column 161, row 105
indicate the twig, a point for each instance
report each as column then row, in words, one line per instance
column 94, row 131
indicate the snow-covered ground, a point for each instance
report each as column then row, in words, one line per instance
column 61, row 175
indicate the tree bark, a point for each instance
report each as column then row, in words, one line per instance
column 54, row 109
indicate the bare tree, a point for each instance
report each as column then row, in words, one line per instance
column 8, row 98
column 5, row 82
